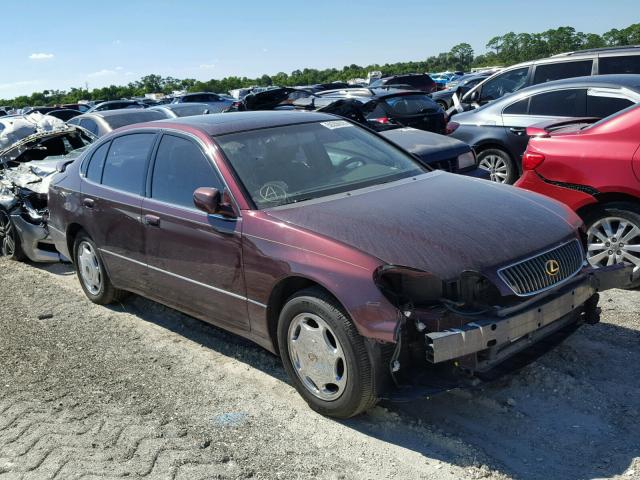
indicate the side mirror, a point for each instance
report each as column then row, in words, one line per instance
column 210, row 201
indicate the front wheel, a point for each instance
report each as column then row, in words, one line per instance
column 613, row 236
column 499, row 165
column 9, row 238
column 324, row 356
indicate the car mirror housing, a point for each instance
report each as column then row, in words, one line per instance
column 210, row 201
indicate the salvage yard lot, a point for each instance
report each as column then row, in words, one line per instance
column 142, row 391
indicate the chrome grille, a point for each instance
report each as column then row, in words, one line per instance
column 531, row 276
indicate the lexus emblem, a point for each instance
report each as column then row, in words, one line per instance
column 552, row 267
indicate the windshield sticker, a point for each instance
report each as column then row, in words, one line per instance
column 333, row 124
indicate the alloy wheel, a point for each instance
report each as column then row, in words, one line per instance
column 89, row 268
column 7, row 235
column 497, row 167
column 613, row 240
column 317, row 356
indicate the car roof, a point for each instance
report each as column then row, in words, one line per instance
column 224, row 123
column 630, row 81
column 115, row 112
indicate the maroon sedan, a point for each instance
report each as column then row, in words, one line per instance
column 327, row 244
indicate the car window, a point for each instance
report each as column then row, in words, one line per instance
column 619, row 64
column 560, row 70
column 293, row 163
column 507, row 82
column 180, row 168
column 518, row 108
column 125, row 167
column 410, row 104
column 89, row 124
column 601, row 105
column 560, row 103
column 96, row 164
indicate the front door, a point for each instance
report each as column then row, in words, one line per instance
column 194, row 259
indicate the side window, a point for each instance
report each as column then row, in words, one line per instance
column 193, row 99
column 601, row 105
column 180, row 169
column 622, row 64
column 518, row 108
column 96, row 164
column 560, row 70
column 507, row 82
column 89, row 125
column 125, row 167
column 559, row 103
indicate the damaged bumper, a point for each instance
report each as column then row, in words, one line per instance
column 487, row 341
column 35, row 242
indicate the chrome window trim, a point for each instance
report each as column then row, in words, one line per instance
column 186, row 279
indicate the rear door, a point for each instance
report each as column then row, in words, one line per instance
column 111, row 198
column 194, row 258
column 519, row 115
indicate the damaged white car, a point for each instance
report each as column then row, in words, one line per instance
column 33, row 148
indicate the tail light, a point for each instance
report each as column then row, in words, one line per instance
column 532, row 160
column 451, row 127
column 384, row 120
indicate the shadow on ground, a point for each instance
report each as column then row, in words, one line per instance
column 572, row 415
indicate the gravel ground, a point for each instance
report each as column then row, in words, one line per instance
column 142, row 391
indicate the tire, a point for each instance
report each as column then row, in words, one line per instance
column 93, row 276
column 443, row 105
column 499, row 164
column 349, row 366
column 621, row 218
column 10, row 246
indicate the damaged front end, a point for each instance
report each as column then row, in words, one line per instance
column 33, row 149
column 464, row 332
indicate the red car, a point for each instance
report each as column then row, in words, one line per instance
column 594, row 168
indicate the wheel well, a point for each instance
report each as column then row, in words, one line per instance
column 606, row 198
column 72, row 233
column 284, row 290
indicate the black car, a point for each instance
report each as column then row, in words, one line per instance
column 444, row 98
column 497, row 131
column 64, row 114
column 101, row 123
column 415, row 81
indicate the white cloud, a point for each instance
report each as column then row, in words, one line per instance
column 102, row 73
column 24, row 83
column 41, row 56
column 208, row 66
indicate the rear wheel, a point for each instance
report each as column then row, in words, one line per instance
column 442, row 105
column 499, row 165
column 9, row 238
column 93, row 277
column 613, row 236
column 324, row 356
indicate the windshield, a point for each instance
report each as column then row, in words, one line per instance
column 283, row 165
column 411, row 104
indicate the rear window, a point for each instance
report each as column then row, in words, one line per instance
column 621, row 64
column 410, row 104
column 559, row 103
column 560, row 70
column 126, row 163
column 600, row 105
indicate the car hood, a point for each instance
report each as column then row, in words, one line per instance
column 438, row 222
column 429, row 147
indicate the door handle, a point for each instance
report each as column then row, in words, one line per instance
column 518, row 130
column 152, row 220
column 89, row 202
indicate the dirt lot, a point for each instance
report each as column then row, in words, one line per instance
column 141, row 391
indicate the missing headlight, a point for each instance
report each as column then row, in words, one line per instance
column 403, row 285
column 466, row 160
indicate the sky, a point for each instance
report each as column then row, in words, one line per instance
column 65, row 43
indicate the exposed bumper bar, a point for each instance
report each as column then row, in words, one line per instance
column 499, row 330
column 32, row 237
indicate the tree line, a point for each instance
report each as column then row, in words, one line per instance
column 503, row 50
